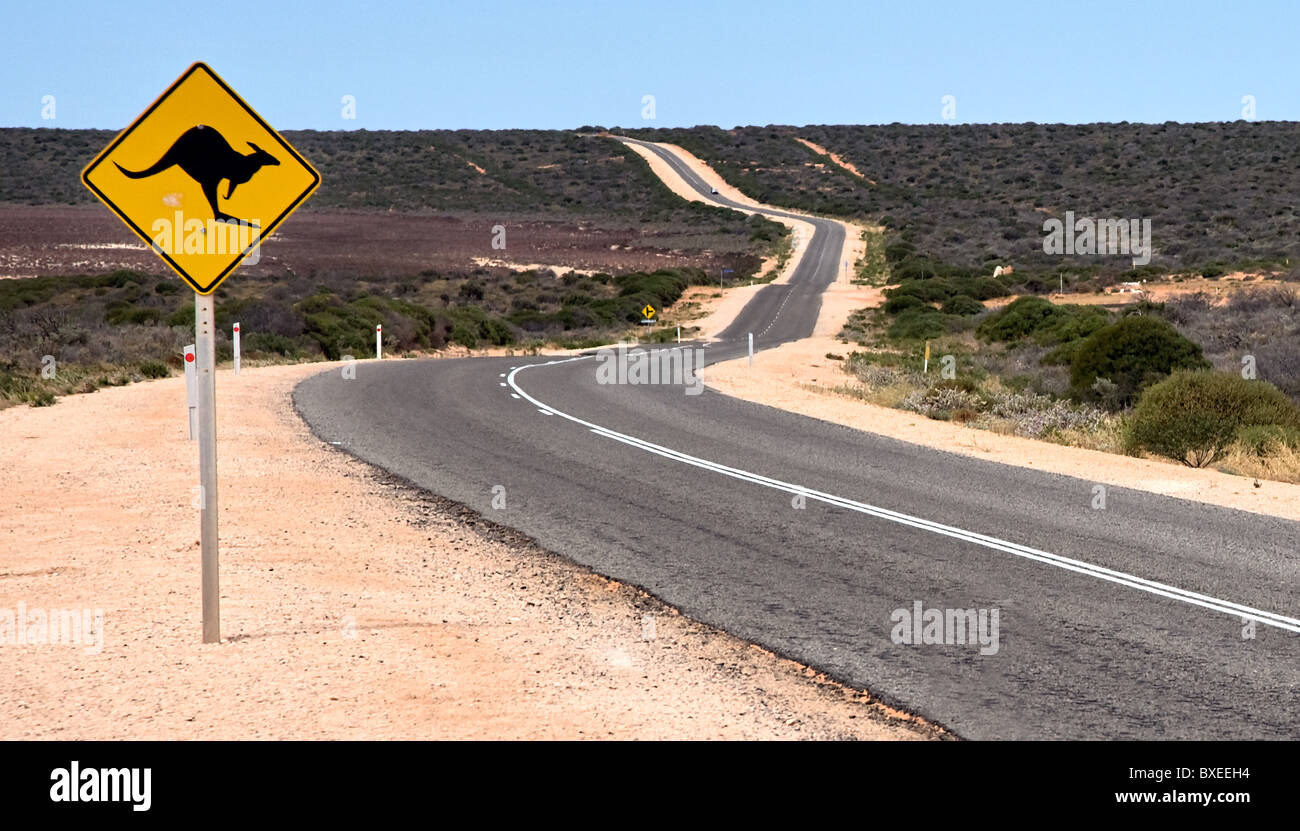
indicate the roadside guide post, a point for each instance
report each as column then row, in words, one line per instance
column 379, row 341
column 191, row 392
column 196, row 124
column 751, row 348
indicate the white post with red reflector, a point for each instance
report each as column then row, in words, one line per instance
column 191, row 392
column 235, row 340
column 379, row 341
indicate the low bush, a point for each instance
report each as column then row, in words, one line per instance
column 941, row 402
column 921, row 324
column 1131, row 353
column 1021, row 318
column 270, row 344
column 903, row 302
column 962, row 305
column 1194, row 417
column 122, row 313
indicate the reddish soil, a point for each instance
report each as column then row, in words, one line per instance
column 87, row 239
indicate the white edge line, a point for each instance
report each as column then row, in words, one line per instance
column 1078, row 566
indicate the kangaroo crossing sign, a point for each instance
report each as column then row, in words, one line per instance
column 201, row 178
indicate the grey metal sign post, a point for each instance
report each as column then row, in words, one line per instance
column 205, row 349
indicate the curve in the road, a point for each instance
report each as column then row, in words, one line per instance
column 688, row 497
column 1215, row 604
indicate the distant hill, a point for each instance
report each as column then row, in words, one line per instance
column 546, row 174
column 1219, row 194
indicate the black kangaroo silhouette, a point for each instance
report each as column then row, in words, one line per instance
column 207, row 157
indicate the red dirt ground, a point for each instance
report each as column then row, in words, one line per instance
column 87, row 239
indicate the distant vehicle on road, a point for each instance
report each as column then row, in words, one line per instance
column 713, row 190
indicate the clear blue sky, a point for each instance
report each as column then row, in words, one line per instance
column 565, row 64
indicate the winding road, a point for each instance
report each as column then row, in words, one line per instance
column 1152, row 618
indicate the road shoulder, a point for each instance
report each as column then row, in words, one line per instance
column 353, row 606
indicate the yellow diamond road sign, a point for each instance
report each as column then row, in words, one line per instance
column 201, row 178
column 648, row 312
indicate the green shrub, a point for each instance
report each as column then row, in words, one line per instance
column 902, row 303
column 1021, row 318
column 896, row 252
column 121, row 313
column 927, row 291
column 1132, row 353
column 471, row 325
column 981, row 288
column 962, row 305
column 1073, row 324
column 184, row 316
column 920, row 324
column 1194, row 417
column 339, row 328
column 154, row 369
column 270, row 344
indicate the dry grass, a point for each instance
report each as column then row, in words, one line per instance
column 1282, row 464
column 1108, row 437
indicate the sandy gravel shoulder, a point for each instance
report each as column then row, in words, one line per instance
column 353, row 606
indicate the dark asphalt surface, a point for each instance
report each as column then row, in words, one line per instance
column 1080, row 655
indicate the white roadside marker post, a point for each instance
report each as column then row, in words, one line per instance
column 205, row 343
column 379, row 341
column 235, row 338
column 751, row 348
column 679, row 334
column 191, row 392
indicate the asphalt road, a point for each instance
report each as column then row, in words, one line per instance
column 1152, row 618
